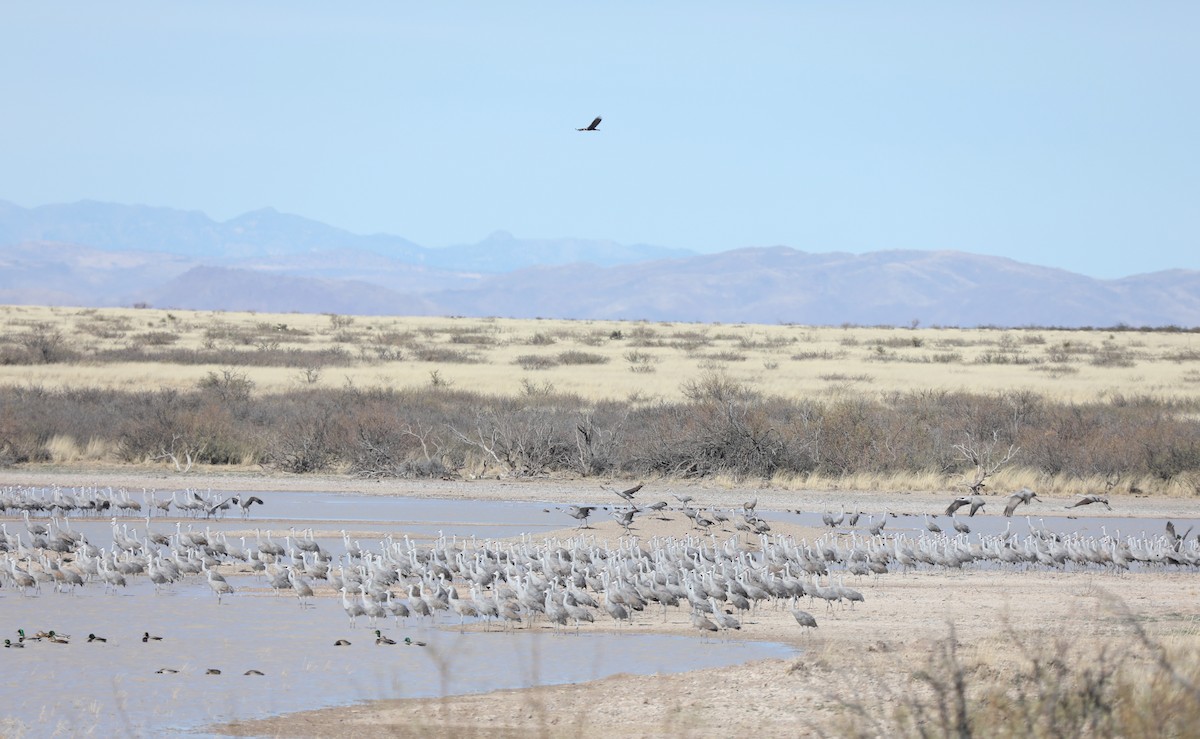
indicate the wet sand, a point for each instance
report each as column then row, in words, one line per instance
column 861, row 657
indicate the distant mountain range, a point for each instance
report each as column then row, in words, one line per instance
column 102, row 254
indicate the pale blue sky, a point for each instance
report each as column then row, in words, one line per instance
column 1057, row 133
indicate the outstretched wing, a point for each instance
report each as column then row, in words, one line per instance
column 955, row 505
column 629, row 493
column 591, row 126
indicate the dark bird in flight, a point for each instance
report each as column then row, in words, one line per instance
column 628, row 494
column 975, row 501
column 1089, row 499
column 1024, row 495
column 593, row 126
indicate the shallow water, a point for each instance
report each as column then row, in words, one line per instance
column 106, row 689
column 109, row 689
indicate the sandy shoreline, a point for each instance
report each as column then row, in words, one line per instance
column 863, row 655
column 562, row 490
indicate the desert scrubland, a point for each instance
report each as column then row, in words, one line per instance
column 890, row 421
column 797, row 406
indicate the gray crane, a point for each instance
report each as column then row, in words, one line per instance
column 1024, row 495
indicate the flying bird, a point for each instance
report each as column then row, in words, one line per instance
column 975, row 501
column 628, row 494
column 593, row 126
column 1024, row 495
column 1089, row 499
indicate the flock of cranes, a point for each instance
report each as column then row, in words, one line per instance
column 562, row 581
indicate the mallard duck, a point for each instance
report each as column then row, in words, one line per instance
column 146, row 637
column 212, row 671
column 381, row 639
column 93, row 637
column 9, row 644
column 57, row 638
column 21, row 636
column 166, row 671
column 411, row 643
column 51, row 635
column 341, row 643
column 252, row 672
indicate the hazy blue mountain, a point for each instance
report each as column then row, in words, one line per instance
column 778, row 284
column 503, row 252
column 268, row 233
column 221, row 288
column 98, row 254
column 49, row 273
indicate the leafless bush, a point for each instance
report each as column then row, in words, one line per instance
column 577, row 357
column 45, row 344
column 535, row 362
column 230, row 385
column 1111, row 354
column 445, row 355
column 639, row 361
column 523, row 442
column 154, row 338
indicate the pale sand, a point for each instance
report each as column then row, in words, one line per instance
column 865, row 655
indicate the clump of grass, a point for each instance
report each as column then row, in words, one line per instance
column 1133, row 686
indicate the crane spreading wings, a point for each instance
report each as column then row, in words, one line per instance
column 593, row 126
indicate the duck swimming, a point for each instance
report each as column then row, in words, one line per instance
column 411, row 643
column 146, row 637
column 93, row 637
column 381, row 639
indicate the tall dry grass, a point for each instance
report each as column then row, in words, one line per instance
column 127, row 348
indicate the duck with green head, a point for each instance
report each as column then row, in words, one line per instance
column 381, row 639
column 410, row 642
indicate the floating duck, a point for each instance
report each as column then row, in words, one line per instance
column 57, row 638
column 212, row 671
column 411, row 643
column 146, row 637
column 93, row 637
column 9, row 644
column 341, row 643
column 381, row 639
column 165, row 671
column 252, row 672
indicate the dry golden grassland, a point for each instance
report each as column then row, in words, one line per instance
column 619, row 360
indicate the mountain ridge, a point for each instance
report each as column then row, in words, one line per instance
column 274, row 262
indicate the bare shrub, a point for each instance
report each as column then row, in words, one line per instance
column 230, row 385
column 45, row 344
column 639, row 361
column 523, row 442
column 445, row 355
column 306, row 439
column 578, row 357
column 535, row 362
column 1110, row 354
column 154, row 338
